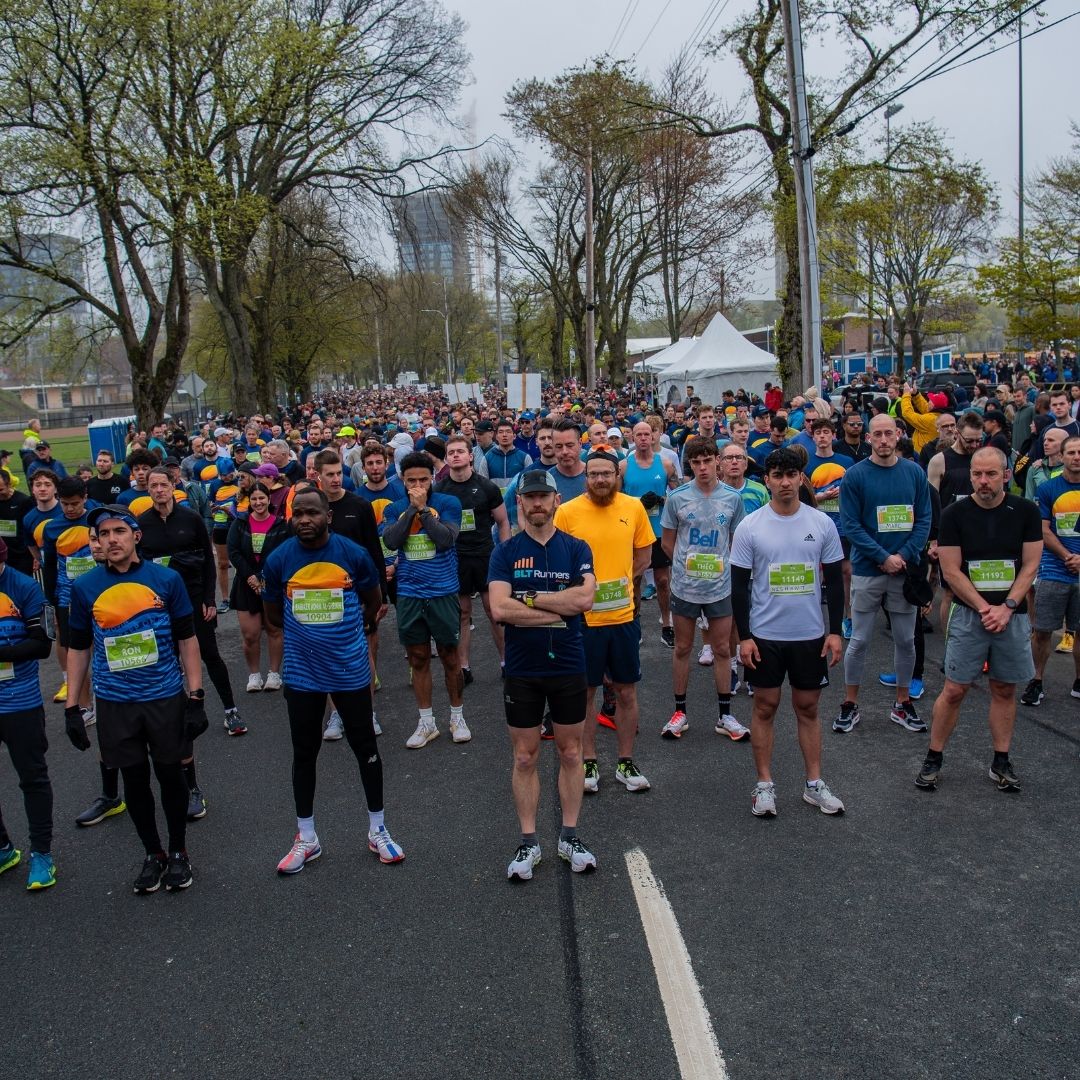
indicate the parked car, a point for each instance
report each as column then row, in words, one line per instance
column 932, row 380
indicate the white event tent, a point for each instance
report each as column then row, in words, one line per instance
column 721, row 359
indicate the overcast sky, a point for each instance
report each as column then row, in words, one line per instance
column 975, row 105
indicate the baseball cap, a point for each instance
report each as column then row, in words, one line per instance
column 485, row 425
column 759, row 410
column 266, row 469
column 431, row 433
column 42, row 445
column 114, row 512
column 938, row 401
column 614, row 433
column 526, row 416
column 536, row 480
column 348, row 429
column 218, row 432
column 172, row 459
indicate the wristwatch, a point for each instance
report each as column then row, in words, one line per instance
column 1011, row 604
column 197, row 695
column 530, row 598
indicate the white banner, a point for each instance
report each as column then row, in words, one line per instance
column 523, row 391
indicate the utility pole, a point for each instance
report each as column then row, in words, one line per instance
column 590, row 297
column 498, row 311
column 805, row 207
column 890, row 112
column 378, row 351
column 1020, row 169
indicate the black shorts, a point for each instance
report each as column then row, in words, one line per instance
column 800, row 661
column 128, row 729
column 526, row 696
column 659, row 560
column 472, row 573
column 221, row 535
column 63, row 634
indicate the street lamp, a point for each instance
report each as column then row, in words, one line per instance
column 446, row 326
column 890, row 112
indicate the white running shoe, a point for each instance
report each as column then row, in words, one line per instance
column 300, row 854
column 763, row 801
column 820, row 796
column 577, row 855
column 255, row 683
column 521, row 865
column 89, row 716
column 375, row 724
column 273, row 681
column 626, row 772
column 423, row 734
column 335, row 729
column 705, row 657
column 459, row 730
column 702, row 623
column 729, row 726
column 382, row 844
column 674, row 728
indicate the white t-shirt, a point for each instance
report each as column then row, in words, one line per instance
column 785, row 556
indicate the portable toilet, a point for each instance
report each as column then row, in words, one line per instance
column 111, row 435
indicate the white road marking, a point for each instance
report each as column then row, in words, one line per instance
column 692, row 1033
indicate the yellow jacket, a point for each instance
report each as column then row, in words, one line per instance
column 916, row 413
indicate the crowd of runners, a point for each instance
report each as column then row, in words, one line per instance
column 772, row 530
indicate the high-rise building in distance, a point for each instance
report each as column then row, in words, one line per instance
column 430, row 241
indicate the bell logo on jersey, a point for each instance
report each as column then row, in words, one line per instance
column 697, row 538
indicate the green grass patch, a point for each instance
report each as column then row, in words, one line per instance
column 72, row 450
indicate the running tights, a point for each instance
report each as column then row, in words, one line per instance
column 140, row 803
column 903, row 635
column 306, row 710
column 216, row 668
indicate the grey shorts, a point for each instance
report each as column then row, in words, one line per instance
column 1057, row 602
column 866, row 593
column 969, row 645
column 691, row 609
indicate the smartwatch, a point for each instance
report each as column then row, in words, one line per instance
column 530, row 598
column 1011, row 604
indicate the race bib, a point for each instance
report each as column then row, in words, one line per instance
column 77, row 565
column 257, row 541
column 704, row 566
column 468, row 520
column 7, row 671
column 612, row 595
column 992, row 575
column 420, row 546
column 9, row 528
column 829, row 506
column 127, row 651
column 786, row 579
column 318, row 607
column 388, row 554
column 1065, row 523
column 896, row 518
column 163, row 560
column 220, row 517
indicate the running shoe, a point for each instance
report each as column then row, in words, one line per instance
column 459, row 730
column 736, row 685
column 648, row 592
column 61, row 695
column 848, row 718
column 626, row 772
column 845, row 629
column 763, row 799
column 547, row 728
column 928, row 774
column 674, row 728
column 1075, row 691
column 904, row 714
column 89, row 716
column 467, row 676
column 375, row 724
column 149, row 879
column 1065, row 645
column 233, row 724
column 178, row 873
column 916, row 688
column 99, row 810
column 577, row 855
column 667, row 636
column 376, row 685
column 818, row 794
column 610, row 702
column 300, row 854
column 196, row 807
column 335, row 729
column 382, row 844
column 42, row 872
column 9, row 857
column 705, row 657
column 521, row 865
column 1005, row 777
column 729, row 726
column 223, row 607
column 255, row 683
column 424, row 733
column 592, row 776
column 273, row 681
column 1033, row 694
column 604, row 719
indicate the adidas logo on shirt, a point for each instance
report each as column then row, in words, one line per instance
column 808, row 536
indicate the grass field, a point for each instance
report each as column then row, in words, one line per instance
column 67, row 448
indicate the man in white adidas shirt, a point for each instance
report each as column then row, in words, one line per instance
column 788, row 548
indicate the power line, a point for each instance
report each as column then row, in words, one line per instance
column 1009, row 44
column 618, row 28
column 695, row 34
column 652, row 28
column 626, row 25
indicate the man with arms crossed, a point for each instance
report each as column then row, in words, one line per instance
column 541, row 582
column 788, row 549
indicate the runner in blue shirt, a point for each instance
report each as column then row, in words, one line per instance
column 125, row 618
column 424, row 529
column 323, row 590
column 22, row 718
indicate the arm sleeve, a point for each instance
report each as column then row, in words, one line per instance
column 832, row 574
column 740, row 599
column 396, row 532
column 35, row 646
column 443, row 533
column 209, row 574
column 369, row 533
column 183, row 627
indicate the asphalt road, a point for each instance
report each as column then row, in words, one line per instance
column 921, row 934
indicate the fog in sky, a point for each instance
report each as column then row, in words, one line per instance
column 975, row 105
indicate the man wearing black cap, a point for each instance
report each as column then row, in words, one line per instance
column 541, row 581
column 125, row 617
column 43, row 459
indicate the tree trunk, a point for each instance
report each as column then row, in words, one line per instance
column 224, row 289
column 789, row 325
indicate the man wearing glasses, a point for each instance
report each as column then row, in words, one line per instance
column 851, row 441
column 950, row 470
